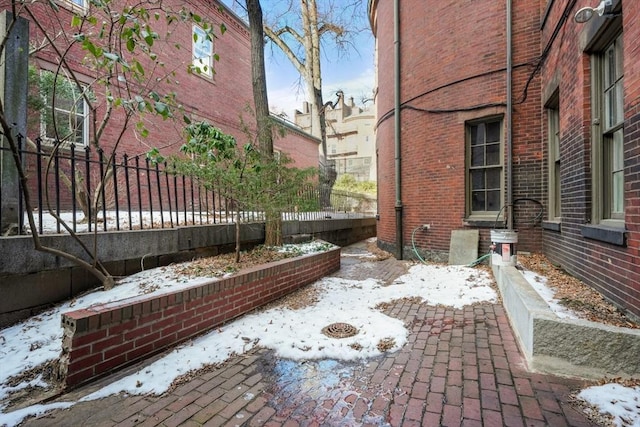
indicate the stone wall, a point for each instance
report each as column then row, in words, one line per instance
column 31, row 280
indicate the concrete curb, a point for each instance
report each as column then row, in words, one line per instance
column 566, row 347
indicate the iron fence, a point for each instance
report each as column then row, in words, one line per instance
column 88, row 191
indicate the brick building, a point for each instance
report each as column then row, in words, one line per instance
column 513, row 114
column 218, row 91
column 203, row 79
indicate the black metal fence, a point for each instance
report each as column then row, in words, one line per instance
column 88, row 190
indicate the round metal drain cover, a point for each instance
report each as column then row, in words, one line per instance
column 339, row 330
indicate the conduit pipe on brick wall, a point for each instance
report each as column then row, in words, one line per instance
column 509, row 120
column 397, row 133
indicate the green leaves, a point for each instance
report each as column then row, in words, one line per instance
column 76, row 21
column 120, row 42
column 162, row 109
column 155, row 157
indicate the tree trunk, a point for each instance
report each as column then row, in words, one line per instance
column 273, row 220
column 259, row 80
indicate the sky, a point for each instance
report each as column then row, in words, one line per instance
column 292, row 334
column 353, row 73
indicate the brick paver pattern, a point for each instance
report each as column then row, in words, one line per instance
column 458, row 368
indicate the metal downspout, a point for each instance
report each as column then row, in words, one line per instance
column 509, row 119
column 397, row 133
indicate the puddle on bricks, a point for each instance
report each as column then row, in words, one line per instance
column 321, row 390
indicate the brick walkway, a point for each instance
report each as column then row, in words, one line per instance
column 459, row 368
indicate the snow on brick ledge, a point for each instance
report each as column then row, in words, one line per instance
column 104, row 338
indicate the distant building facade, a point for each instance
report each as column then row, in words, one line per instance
column 350, row 137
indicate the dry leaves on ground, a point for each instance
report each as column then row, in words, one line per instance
column 583, row 300
column 219, row 265
column 375, row 250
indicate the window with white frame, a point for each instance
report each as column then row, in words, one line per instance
column 608, row 134
column 553, row 137
column 485, row 169
column 76, row 5
column 64, row 116
column 202, row 51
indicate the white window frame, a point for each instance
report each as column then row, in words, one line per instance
column 83, row 117
column 201, row 52
column 76, row 5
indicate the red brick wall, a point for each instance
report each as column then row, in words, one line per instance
column 221, row 100
column 105, row 338
column 453, row 70
column 302, row 148
column 448, row 63
column 613, row 270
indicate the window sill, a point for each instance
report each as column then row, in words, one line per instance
column 552, row 225
column 613, row 235
column 483, row 222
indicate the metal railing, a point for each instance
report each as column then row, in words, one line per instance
column 91, row 191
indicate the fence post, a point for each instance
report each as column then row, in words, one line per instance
column 125, row 164
column 139, row 192
column 73, row 184
column 56, row 180
column 148, row 169
column 166, row 178
column 87, row 179
column 39, row 172
column 115, row 189
column 157, row 170
column 103, row 182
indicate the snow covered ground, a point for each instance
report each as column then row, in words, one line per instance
column 122, row 220
column 292, row 334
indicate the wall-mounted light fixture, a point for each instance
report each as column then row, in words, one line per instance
column 586, row 13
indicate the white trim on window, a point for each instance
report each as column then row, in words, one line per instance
column 71, row 112
column 202, row 52
column 81, row 6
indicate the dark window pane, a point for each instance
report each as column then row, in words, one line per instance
column 477, row 156
column 64, row 103
column 485, row 166
column 477, row 180
column 493, row 179
column 493, row 200
column 610, row 69
column 477, row 201
column 493, row 154
column 477, row 134
column 493, row 132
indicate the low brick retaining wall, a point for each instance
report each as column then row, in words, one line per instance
column 104, row 338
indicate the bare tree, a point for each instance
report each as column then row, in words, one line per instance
column 301, row 40
column 258, row 76
column 273, row 220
